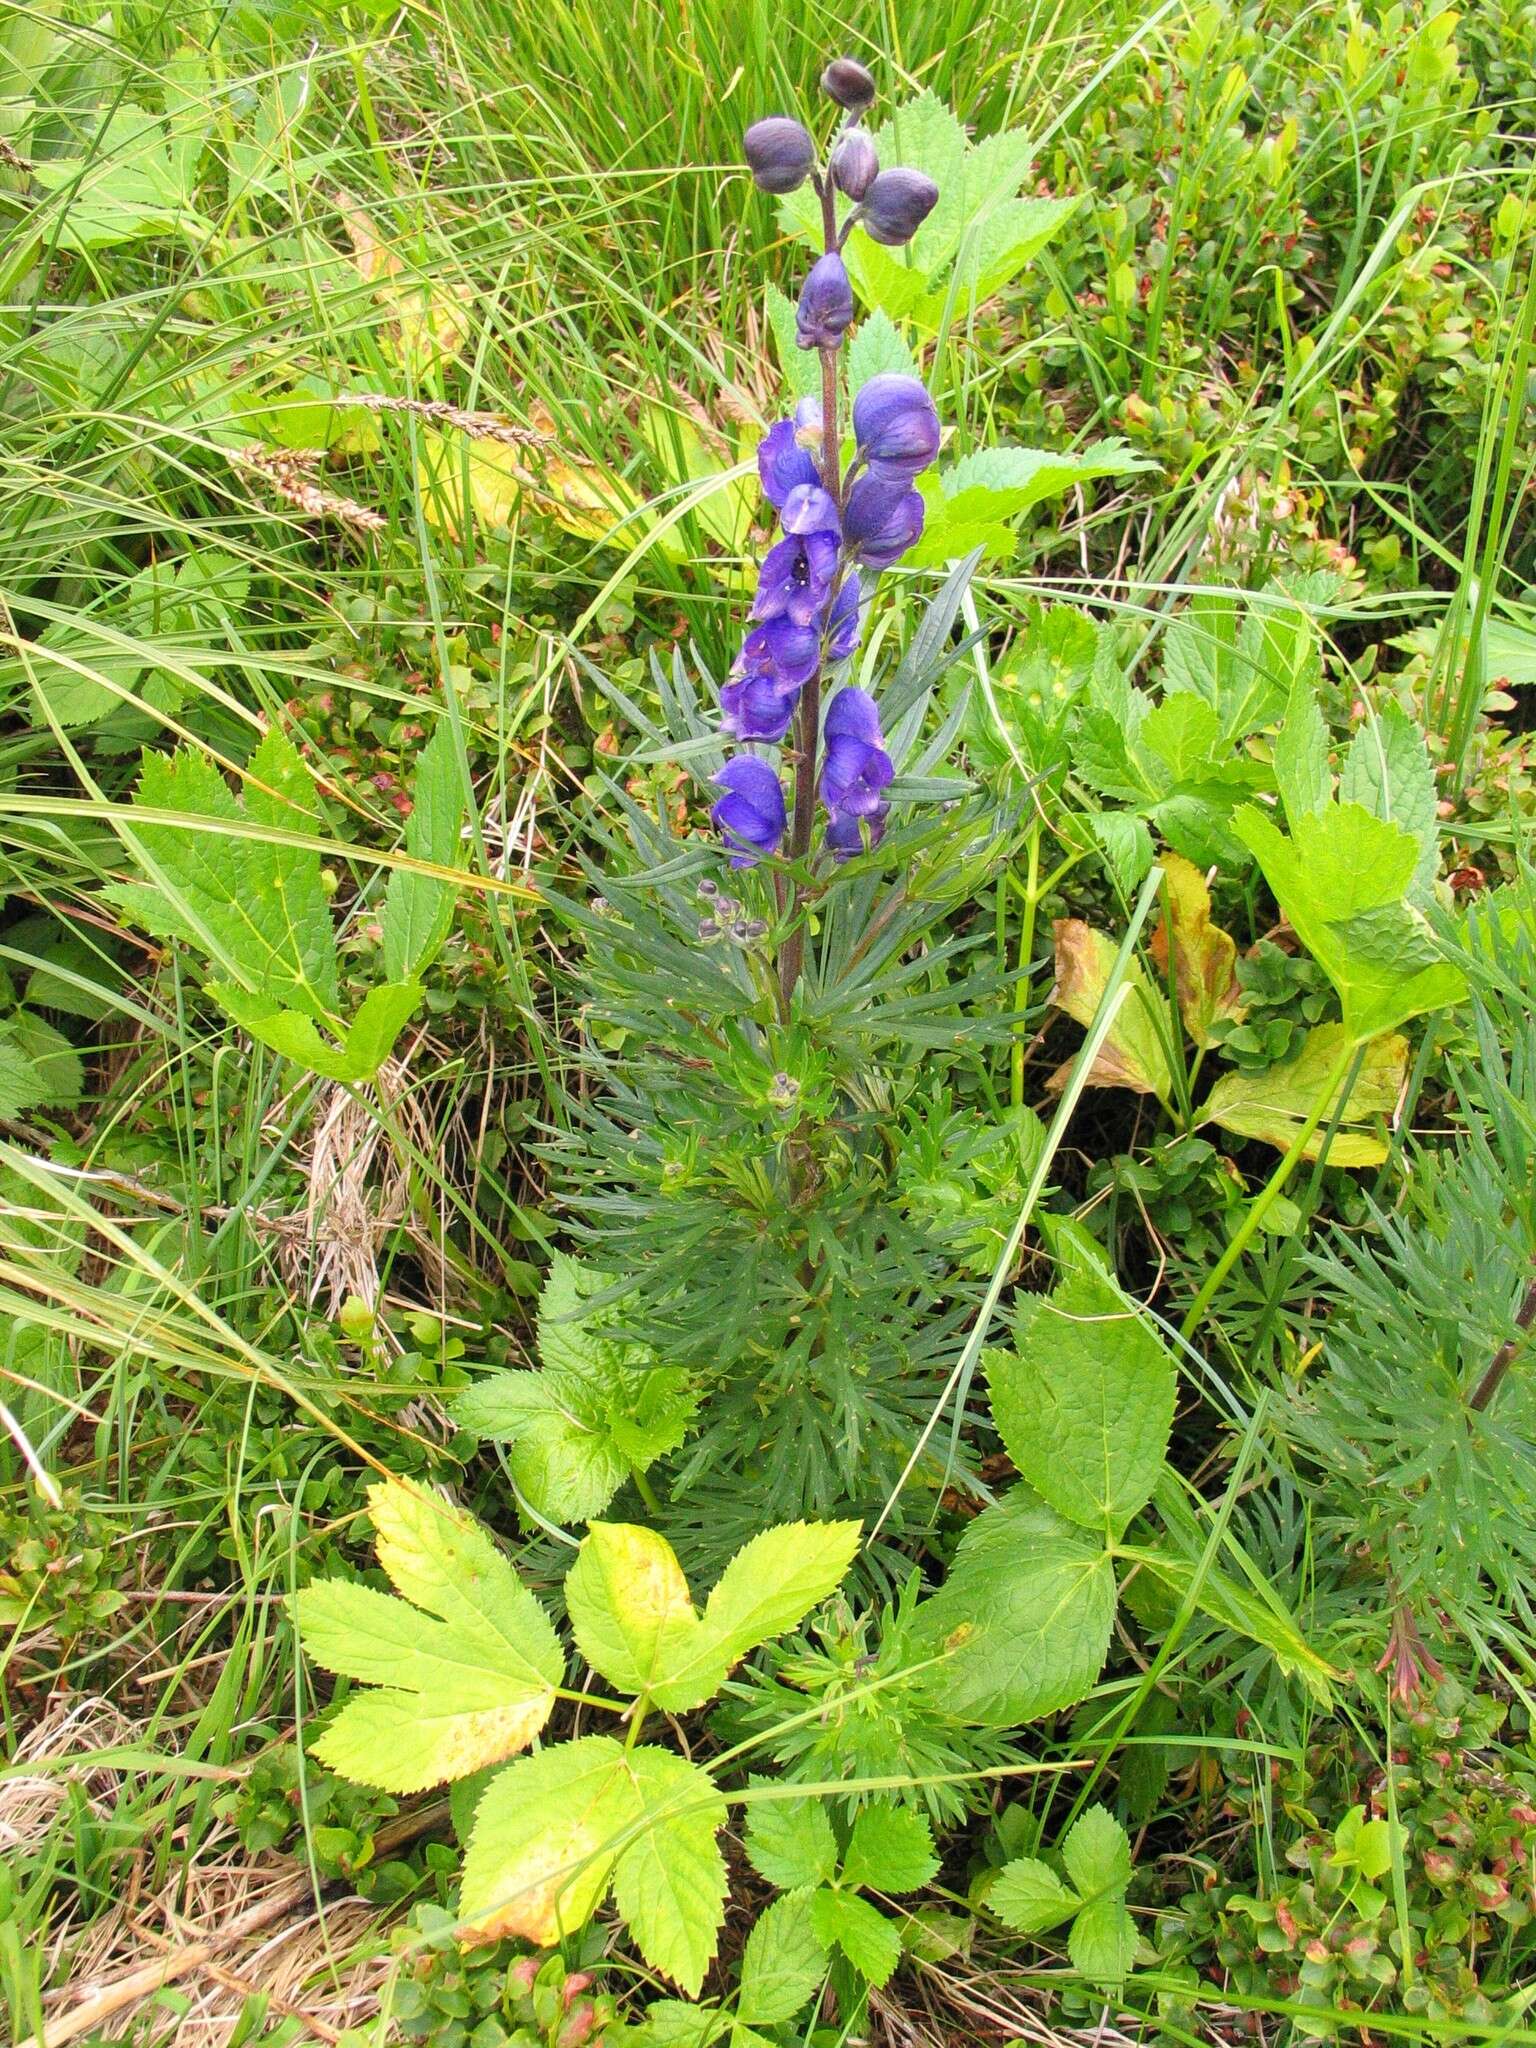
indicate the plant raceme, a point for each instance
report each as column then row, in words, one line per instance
column 807, row 616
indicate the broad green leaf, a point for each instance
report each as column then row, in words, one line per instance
column 800, row 367
column 670, row 1881
column 870, row 1942
column 1342, row 878
column 674, row 2023
column 1387, row 772
column 1126, row 845
column 39, row 1068
column 629, row 1605
column 1135, row 1054
column 783, row 1964
column 132, row 184
column 1204, row 958
column 418, row 909
column 599, row 1409
column 790, row 1842
column 890, row 1850
column 875, row 350
column 1022, row 1623
column 1102, row 1942
column 1275, row 1104
column 769, row 1586
column 1029, row 1897
column 547, row 1834
column 984, row 490
column 367, row 1042
column 1301, row 755
column 466, row 1662
column 994, row 249
column 1097, row 1853
column 1084, row 1401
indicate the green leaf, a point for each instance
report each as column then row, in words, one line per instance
column 1342, row 878
column 800, row 367
column 783, row 1964
column 890, row 1850
column 630, row 1608
column 1097, row 1853
column 1084, row 1402
column 547, row 1834
column 672, row 2023
column 367, row 1042
column 1029, row 1897
column 418, row 909
column 876, row 350
column 1274, row 1104
column 870, row 1942
column 133, row 184
column 1301, row 755
column 994, row 485
column 1387, row 773
column 790, row 1842
column 1102, row 1943
column 670, row 1882
column 1023, row 1621
column 466, row 1663
column 39, row 1068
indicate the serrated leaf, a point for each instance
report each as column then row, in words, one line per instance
column 365, row 1045
column 870, row 1942
column 1097, row 1853
column 1387, row 772
column 1301, row 755
column 1339, row 865
column 783, row 1964
column 546, row 1836
column 1274, row 1104
column 1102, row 1943
column 1204, row 958
column 467, row 1661
column 1135, row 1051
column 1022, row 1624
column 670, row 1881
column 629, row 1605
column 877, row 350
column 790, row 1842
column 1084, row 1401
column 418, row 909
column 1029, row 1897
column 890, row 1850
column 986, row 489
column 799, row 367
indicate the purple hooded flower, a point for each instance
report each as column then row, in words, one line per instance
column 882, row 519
column 757, row 706
column 796, row 578
column 856, row 771
column 783, row 463
column 750, row 815
column 826, row 304
column 896, row 426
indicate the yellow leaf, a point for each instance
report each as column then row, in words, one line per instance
column 581, row 498
column 1134, row 1055
column 1204, row 957
column 1274, row 1105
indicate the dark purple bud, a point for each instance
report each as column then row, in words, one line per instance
column 751, row 813
column 896, row 426
column 855, row 162
column 882, row 519
column 779, row 153
column 896, row 205
column 846, row 81
column 826, row 304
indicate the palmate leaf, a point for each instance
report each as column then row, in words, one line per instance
column 1084, row 1401
column 970, row 504
column 465, row 1664
column 553, row 1831
column 635, row 1621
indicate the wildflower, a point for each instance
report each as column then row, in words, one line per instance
column 896, row 426
column 846, row 81
column 783, row 461
column 882, row 519
column 779, row 153
column 751, row 813
column 826, row 304
column 896, row 205
column 856, row 771
column 855, row 164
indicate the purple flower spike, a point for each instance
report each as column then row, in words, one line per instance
column 826, row 304
column 750, row 816
column 896, row 426
column 782, row 463
column 882, row 519
column 757, row 707
column 796, row 578
column 856, row 772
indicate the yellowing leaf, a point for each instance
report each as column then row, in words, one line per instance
column 1275, row 1104
column 629, row 1605
column 1134, row 1055
column 578, row 496
column 429, row 320
column 547, row 1834
column 465, row 1665
column 1204, row 956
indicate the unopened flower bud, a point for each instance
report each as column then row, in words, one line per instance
column 779, row 153
column 846, row 81
column 897, row 204
column 826, row 304
column 855, row 164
